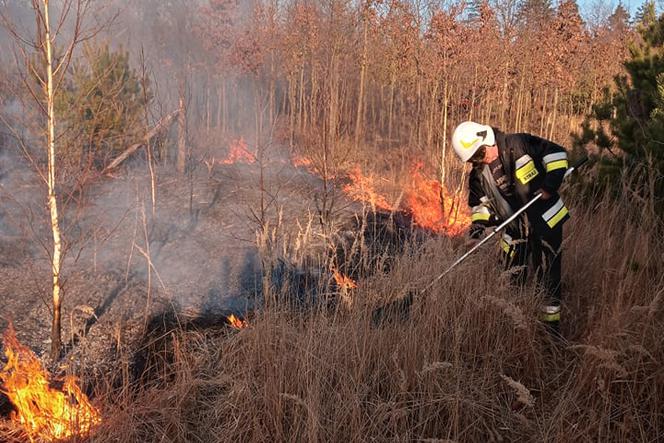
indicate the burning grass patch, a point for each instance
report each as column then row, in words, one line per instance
column 44, row 412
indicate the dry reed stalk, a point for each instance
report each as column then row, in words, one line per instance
column 435, row 366
column 512, row 311
column 523, row 395
column 607, row 357
column 654, row 305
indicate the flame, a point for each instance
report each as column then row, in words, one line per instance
column 423, row 201
column 239, row 152
column 310, row 166
column 361, row 188
column 431, row 205
column 304, row 163
column 301, row 162
column 343, row 281
column 45, row 413
column 236, row 322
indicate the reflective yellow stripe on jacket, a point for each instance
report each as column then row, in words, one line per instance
column 555, row 214
column 557, row 160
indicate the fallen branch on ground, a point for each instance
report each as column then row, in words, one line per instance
column 160, row 126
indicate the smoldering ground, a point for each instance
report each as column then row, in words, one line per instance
column 194, row 249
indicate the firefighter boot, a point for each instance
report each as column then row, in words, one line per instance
column 550, row 316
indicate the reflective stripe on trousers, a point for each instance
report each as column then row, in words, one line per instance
column 550, row 313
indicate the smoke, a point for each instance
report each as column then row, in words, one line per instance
column 195, row 244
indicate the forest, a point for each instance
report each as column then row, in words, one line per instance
column 225, row 219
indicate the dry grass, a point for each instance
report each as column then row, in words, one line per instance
column 470, row 364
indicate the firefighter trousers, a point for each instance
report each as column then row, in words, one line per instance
column 541, row 251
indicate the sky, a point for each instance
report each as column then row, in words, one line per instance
column 586, row 7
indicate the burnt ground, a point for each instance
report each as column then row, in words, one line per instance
column 201, row 242
column 206, row 260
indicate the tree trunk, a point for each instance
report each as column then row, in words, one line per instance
column 418, row 117
column 333, row 95
column 224, row 106
column 554, row 115
column 56, row 338
column 444, row 150
column 300, row 100
column 273, row 88
column 472, row 96
column 390, row 108
column 207, row 103
column 161, row 125
column 291, row 110
column 182, row 135
column 363, row 72
column 431, row 123
column 542, row 119
column 503, row 101
column 487, row 107
column 519, row 106
column 313, row 99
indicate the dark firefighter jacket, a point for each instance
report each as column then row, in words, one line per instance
column 529, row 163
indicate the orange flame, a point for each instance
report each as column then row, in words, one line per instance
column 44, row 412
column 361, row 188
column 424, row 203
column 343, row 281
column 236, row 322
column 430, row 204
column 239, row 152
column 300, row 162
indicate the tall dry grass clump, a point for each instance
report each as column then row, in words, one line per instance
column 469, row 363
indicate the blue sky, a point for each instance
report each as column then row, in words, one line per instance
column 586, row 6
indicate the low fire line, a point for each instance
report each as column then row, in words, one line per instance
column 45, row 413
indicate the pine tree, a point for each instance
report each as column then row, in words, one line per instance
column 102, row 106
column 619, row 20
column 633, row 119
column 646, row 15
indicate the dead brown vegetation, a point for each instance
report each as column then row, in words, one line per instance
column 470, row 364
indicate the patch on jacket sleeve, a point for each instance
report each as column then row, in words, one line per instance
column 525, row 169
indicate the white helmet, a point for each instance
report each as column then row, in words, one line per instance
column 469, row 136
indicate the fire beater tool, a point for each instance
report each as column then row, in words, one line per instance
column 401, row 306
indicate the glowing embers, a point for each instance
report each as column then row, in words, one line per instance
column 343, row 281
column 236, row 323
column 46, row 413
column 239, row 153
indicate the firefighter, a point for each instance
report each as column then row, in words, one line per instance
column 508, row 170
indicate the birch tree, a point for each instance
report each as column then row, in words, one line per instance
column 45, row 58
